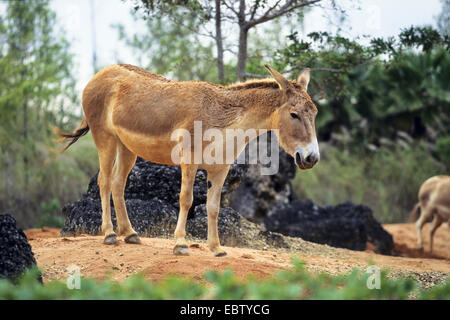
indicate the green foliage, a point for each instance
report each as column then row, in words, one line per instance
column 37, row 92
column 387, row 180
column 443, row 150
column 173, row 49
column 378, row 90
column 295, row 283
column 50, row 214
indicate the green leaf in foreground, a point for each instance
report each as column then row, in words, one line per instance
column 295, row 283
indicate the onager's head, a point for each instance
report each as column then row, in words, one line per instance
column 294, row 120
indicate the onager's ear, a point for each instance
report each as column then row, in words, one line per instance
column 303, row 78
column 282, row 82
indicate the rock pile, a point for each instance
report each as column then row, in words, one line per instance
column 15, row 251
column 152, row 199
column 344, row 226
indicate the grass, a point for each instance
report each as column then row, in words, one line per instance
column 35, row 192
column 387, row 180
column 295, row 283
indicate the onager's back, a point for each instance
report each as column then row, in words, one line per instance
column 132, row 112
column 434, row 201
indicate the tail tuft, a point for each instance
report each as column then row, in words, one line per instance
column 82, row 129
column 415, row 213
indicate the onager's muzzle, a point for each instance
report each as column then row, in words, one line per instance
column 306, row 157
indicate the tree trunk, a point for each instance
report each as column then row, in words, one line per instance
column 242, row 54
column 25, row 136
column 243, row 33
column 219, row 43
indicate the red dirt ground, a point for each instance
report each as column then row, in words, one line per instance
column 155, row 259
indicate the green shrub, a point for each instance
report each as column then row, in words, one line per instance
column 295, row 283
column 34, row 192
column 51, row 216
column 443, row 150
column 387, row 180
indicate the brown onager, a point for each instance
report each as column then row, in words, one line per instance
column 132, row 112
column 434, row 202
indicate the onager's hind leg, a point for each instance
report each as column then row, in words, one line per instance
column 425, row 214
column 124, row 163
column 106, row 155
column 187, row 183
column 215, row 183
column 437, row 221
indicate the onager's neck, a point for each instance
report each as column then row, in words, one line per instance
column 259, row 100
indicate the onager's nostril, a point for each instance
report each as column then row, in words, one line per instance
column 298, row 158
column 309, row 159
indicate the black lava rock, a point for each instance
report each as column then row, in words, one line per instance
column 15, row 251
column 257, row 193
column 150, row 218
column 152, row 199
column 229, row 225
column 344, row 226
column 148, row 181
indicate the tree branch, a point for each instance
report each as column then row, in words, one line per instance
column 230, row 7
column 286, row 8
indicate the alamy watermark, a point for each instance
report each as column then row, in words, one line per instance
column 213, row 146
column 73, row 281
column 374, row 280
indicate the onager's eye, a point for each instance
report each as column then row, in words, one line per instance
column 294, row 116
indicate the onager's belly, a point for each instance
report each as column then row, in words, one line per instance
column 156, row 149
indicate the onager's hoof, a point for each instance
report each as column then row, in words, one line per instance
column 181, row 250
column 220, row 253
column 110, row 239
column 133, row 239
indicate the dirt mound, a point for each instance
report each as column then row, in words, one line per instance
column 155, row 259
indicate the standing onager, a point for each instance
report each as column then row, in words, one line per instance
column 132, row 112
column 434, row 200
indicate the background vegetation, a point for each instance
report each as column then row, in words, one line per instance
column 383, row 120
column 296, row 283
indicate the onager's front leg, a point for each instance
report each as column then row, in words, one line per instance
column 215, row 183
column 187, row 182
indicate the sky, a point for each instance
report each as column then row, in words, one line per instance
column 380, row 18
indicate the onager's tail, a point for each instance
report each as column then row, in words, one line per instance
column 415, row 213
column 82, row 129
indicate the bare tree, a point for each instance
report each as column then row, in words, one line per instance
column 243, row 14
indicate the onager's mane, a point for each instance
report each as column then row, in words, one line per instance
column 259, row 84
column 250, row 84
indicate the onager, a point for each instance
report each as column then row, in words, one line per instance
column 132, row 112
column 434, row 201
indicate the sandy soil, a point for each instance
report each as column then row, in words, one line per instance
column 155, row 259
column 405, row 239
